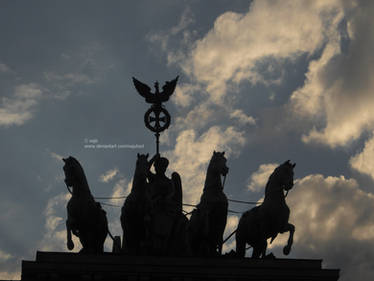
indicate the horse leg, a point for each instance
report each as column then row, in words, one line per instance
column 96, row 244
column 220, row 244
column 69, row 242
column 221, row 231
column 291, row 228
column 102, row 233
column 101, row 241
column 126, row 245
column 264, row 246
column 240, row 246
column 259, row 249
column 123, row 247
column 122, row 220
column 262, row 241
column 84, row 239
column 256, row 252
column 203, row 239
column 91, row 237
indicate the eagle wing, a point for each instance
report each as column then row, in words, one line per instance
column 143, row 89
column 168, row 89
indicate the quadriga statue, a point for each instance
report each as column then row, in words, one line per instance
column 208, row 220
column 86, row 219
column 270, row 218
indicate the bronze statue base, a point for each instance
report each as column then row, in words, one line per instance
column 110, row 266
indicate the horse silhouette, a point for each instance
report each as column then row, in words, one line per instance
column 86, row 219
column 208, row 219
column 270, row 218
column 133, row 210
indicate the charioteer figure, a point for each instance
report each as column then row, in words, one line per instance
column 163, row 215
column 158, row 228
column 160, row 189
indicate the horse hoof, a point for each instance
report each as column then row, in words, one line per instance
column 286, row 250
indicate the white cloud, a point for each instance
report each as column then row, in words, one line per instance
column 242, row 117
column 231, row 225
column 197, row 117
column 250, row 46
column 69, row 78
column 259, row 178
column 28, row 91
column 4, row 68
column 185, row 20
column 10, row 275
column 253, row 47
column 54, row 238
column 8, row 270
column 79, row 68
column 4, row 256
column 333, row 217
column 239, row 44
column 56, row 156
column 339, row 85
column 61, row 85
column 163, row 38
column 364, row 161
column 121, row 188
column 306, row 101
column 184, row 94
column 109, row 175
column 192, row 154
column 19, row 108
column 334, row 220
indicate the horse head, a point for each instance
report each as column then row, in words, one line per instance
column 73, row 171
column 218, row 163
column 285, row 174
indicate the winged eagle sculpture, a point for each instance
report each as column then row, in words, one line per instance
column 157, row 97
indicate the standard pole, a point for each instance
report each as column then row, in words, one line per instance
column 157, row 142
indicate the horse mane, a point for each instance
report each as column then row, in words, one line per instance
column 79, row 169
column 214, row 158
column 271, row 178
column 209, row 170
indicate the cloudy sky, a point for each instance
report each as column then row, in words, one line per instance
column 266, row 81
